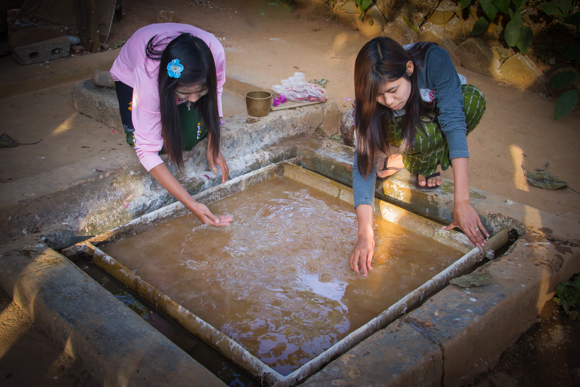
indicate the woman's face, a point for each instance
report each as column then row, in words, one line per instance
column 395, row 94
column 190, row 92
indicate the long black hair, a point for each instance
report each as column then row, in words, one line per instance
column 198, row 67
column 384, row 60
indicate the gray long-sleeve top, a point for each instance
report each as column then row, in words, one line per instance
column 438, row 73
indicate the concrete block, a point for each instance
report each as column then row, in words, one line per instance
column 51, row 49
column 474, row 326
column 435, row 34
column 476, row 56
column 400, row 31
column 395, row 356
column 347, row 127
column 97, row 102
column 347, row 13
column 103, row 78
column 113, row 342
column 331, row 119
column 520, row 71
column 494, row 211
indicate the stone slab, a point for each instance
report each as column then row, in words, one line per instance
column 96, row 102
column 117, row 346
column 495, row 211
column 520, row 71
column 385, row 359
column 436, row 34
column 476, row 56
column 474, row 326
column 40, row 52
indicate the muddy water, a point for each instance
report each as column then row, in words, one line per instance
column 277, row 280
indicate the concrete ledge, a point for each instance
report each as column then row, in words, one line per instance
column 459, row 333
column 105, row 199
column 495, row 211
column 115, row 344
column 99, row 103
column 384, row 359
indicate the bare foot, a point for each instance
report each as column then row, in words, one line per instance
column 435, row 181
column 394, row 164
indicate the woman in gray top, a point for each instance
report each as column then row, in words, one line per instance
column 411, row 98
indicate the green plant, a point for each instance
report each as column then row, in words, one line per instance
column 516, row 34
column 567, row 101
column 561, row 10
column 364, row 4
column 568, row 295
column 519, row 35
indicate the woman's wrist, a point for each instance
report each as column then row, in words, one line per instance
column 364, row 232
column 190, row 203
column 461, row 200
column 364, row 214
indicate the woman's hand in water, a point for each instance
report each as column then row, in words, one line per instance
column 221, row 161
column 363, row 254
column 204, row 214
column 365, row 246
column 465, row 218
column 170, row 183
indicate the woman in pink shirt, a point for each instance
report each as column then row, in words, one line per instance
column 169, row 80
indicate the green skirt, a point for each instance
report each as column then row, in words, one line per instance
column 431, row 148
column 192, row 128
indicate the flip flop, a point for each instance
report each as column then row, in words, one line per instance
column 426, row 187
column 385, row 168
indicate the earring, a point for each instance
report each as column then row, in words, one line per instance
column 409, row 72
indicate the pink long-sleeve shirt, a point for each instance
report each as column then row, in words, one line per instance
column 133, row 68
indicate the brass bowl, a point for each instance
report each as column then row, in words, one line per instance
column 258, row 103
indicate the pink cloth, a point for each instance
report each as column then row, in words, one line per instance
column 133, row 68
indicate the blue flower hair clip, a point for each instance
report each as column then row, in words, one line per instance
column 174, row 68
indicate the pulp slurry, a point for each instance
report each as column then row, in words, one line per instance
column 277, row 280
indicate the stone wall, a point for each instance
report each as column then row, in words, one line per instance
column 447, row 25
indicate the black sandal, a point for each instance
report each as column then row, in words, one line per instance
column 426, row 187
column 385, row 168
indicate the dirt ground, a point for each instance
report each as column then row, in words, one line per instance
column 546, row 355
column 267, row 43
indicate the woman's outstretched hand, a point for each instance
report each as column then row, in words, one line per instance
column 204, row 214
column 363, row 254
column 221, row 161
column 364, row 250
column 465, row 218
column 170, row 183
